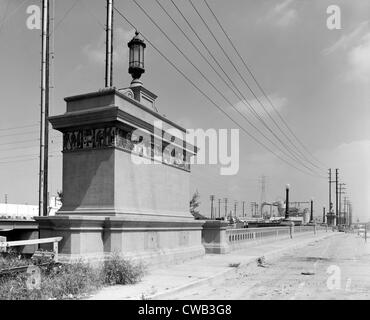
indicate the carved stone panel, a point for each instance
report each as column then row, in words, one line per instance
column 130, row 140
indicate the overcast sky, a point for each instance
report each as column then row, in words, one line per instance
column 316, row 77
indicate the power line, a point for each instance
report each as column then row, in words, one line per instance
column 217, row 90
column 22, row 141
column 208, row 98
column 26, row 155
column 27, row 159
column 248, row 86
column 241, row 96
column 22, row 127
column 65, row 16
column 17, row 134
column 19, row 148
column 12, row 13
column 261, row 88
column 93, row 15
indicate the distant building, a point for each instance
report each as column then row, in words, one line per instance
column 22, row 211
column 26, row 211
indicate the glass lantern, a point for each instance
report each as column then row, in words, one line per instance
column 136, row 56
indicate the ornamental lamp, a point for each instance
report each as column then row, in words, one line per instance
column 136, row 59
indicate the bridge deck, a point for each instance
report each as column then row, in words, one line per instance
column 18, row 224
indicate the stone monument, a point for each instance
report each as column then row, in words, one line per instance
column 126, row 171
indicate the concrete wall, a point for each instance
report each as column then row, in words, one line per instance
column 155, row 189
column 88, row 180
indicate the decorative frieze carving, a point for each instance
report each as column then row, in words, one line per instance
column 128, row 140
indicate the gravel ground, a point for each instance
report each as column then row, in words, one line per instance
column 333, row 268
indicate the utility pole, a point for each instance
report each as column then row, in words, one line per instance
column 44, row 114
column 323, row 215
column 330, row 221
column 109, row 45
column 243, row 208
column 235, row 204
column 336, row 196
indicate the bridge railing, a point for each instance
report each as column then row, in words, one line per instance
column 236, row 237
column 4, row 245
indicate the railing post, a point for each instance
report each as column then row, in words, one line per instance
column 2, row 244
column 365, row 232
column 291, row 229
column 55, row 249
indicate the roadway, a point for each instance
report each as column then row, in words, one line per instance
column 332, row 268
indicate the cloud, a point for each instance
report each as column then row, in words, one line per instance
column 282, row 14
column 356, row 48
column 278, row 102
column 359, row 60
column 347, row 40
column 95, row 52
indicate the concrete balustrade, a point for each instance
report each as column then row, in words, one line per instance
column 219, row 238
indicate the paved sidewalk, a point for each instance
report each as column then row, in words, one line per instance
column 161, row 283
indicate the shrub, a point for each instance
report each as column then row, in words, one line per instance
column 70, row 281
column 117, row 270
column 67, row 281
column 11, row 260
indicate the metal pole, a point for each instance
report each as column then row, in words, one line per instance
column 336, row 196
column 243, row 208
column 323, row 215
column 44, row 114
column 109, row 45
column 330, row 204
column 340, row 204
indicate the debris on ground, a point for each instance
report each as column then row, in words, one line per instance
column 234, row 265
column 261, row 262
column 307, row 273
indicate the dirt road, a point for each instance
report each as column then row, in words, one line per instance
column 333, row 268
